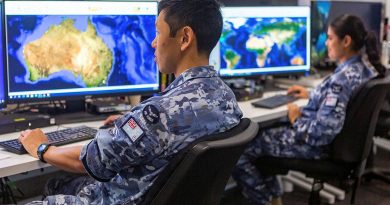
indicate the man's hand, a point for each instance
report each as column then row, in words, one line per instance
column 31, row 139
column 110, row 120
column 298, row 91
column 293, row 112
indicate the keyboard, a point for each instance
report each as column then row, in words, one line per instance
column 274, row 101
column 59, row 137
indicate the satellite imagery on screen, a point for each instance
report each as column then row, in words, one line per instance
column 263, row 42
column 80, row 51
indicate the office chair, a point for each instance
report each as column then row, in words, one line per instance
column 348, row 151
column 382, row 140
column 199, row 174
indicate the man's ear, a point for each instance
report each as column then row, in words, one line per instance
column 347, row 41
column 187, row 38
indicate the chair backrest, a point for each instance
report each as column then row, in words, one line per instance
column 199, row 174
column 353, row 143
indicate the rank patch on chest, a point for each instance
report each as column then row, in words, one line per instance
column 151, row 114
column 331, row 101
column 132, row 129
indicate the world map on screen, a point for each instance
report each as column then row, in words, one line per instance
column 263, row 42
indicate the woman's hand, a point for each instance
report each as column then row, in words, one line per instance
column 293, row 112
column 298, row 91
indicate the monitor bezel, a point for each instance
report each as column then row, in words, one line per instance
column 254, row 75
column 5, row 70
column 75, row 96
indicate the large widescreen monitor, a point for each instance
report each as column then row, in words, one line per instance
column 263, row 41
column 324, row 12
column 65, row 49
column 3, row 89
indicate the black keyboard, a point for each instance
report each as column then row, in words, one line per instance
column 274, row 101
column 59, row 137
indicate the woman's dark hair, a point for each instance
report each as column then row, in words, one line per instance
column 353, row 26
column 203, row 16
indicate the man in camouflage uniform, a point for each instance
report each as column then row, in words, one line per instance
column 308, row 135
column 125, row 160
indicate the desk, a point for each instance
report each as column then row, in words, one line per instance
column 263, row 114
column 15, row 164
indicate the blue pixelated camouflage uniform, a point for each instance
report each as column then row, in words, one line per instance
column 321, row 120
column 196, row 104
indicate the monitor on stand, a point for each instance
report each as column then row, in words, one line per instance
column 324, row 11
column 3, row 90
column 259, row 41
column 63, row 50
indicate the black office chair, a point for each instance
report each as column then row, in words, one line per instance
column 382, row 132
column 198, row 175
column 348, row 151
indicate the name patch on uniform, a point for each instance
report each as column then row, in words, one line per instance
column 331, row 101
column 336, row 88
column 151, row 114
column 132, row 130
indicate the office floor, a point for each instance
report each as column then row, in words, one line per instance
column 373, row 193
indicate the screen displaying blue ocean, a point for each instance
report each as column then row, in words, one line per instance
column 47, row 52
column 261, row 42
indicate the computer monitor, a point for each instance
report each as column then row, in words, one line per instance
column 324, row 12
column 68, row 49
column 3, row 90
column 263, row 41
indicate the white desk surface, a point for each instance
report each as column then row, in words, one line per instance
column 11, row 163
column 15, row 163
column 263, row 114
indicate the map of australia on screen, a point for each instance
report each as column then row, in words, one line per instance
column 80, row 51
column 65, row 48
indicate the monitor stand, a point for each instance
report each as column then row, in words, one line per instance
column 59, row 107
column 77, row 117
column 75, row 106
column 70, row 111
column 250, row 88
column 75, row 111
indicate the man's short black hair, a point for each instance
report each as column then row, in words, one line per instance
column 203, row 16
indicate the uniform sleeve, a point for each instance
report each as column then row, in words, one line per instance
column 328, row 121
column 129, row 144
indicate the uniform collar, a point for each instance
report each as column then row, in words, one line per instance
column 351, row 60
column 195, row 72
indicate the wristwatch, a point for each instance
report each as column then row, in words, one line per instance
column 41, row 151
